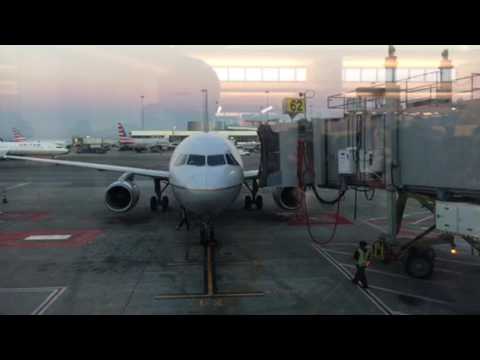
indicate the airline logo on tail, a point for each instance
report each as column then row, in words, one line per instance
column 124, row 138
column 18, row 136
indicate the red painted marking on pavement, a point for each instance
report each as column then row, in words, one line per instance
column 78, row 238
column 323, row 219
column 24, row 216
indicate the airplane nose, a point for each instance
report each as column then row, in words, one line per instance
column 197, row 180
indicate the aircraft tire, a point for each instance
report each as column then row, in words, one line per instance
column 259, row 202
column 153, row 204
column 248, row 203
column 165, row 203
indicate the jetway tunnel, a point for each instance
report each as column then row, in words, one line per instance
column 412, row 146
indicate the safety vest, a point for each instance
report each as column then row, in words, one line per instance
column 363, row 257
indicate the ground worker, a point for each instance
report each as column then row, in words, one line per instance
column 362, row 259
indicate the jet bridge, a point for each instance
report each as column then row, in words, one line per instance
column 415, row 142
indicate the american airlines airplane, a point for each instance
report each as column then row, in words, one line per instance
column 140, row 145
column 18, row 136
column 205, row 173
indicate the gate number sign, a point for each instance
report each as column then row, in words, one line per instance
column 293, row 106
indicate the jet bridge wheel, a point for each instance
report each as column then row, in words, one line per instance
column 420, row 263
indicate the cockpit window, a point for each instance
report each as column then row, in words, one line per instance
column 216, row 160
column 196, row 160
column 181, row 160
column 231, row 160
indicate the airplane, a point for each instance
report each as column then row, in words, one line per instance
column 18, row 136
column 46, row 148
column 205, row 174
column 139, row 145
column 248, row 145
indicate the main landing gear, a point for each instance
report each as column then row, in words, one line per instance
column 156, row 201
column 210, row 290
column 254, row 199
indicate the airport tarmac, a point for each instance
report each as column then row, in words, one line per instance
column 63, row 252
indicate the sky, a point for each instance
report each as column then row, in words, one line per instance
column 61, row 91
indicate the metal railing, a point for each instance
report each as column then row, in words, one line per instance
column 465, row 88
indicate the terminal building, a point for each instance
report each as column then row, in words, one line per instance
column 176, row 137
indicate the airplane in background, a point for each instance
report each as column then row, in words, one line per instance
column 31, row 148
column 18, row 137
column 127, row 142
column 248, row 145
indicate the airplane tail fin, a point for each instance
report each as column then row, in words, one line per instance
column 18, row 136
column 122, row 134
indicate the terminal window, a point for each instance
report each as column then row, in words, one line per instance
column 378, row 74
column 261, row 74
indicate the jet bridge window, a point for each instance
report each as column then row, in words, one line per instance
column 231, row 160
column 216, row 160
column 196, row 160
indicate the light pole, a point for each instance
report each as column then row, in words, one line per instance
column 307, row 94
column 205, row 119
column 268, row 104
column 141, row 100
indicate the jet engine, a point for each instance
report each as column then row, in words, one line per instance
column 287, row 198
column 122, row 196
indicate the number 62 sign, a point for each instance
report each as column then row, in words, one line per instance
column 293, row 106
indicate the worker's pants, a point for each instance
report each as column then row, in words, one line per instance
column 360, row 276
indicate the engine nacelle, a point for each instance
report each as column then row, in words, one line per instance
column 122, row 196
column 287, row 198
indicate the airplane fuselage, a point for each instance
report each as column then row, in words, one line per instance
column 33, row 148
column 206, row 174
column 144, row 143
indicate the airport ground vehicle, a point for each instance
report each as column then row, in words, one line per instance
column 91, row 149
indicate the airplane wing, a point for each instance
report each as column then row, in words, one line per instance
column 157, row 174
column 250, row 174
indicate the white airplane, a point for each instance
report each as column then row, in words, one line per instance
column 205, row 173
column 248, row 145
column 45, row 148
column 140, row 145
column 18, row 136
